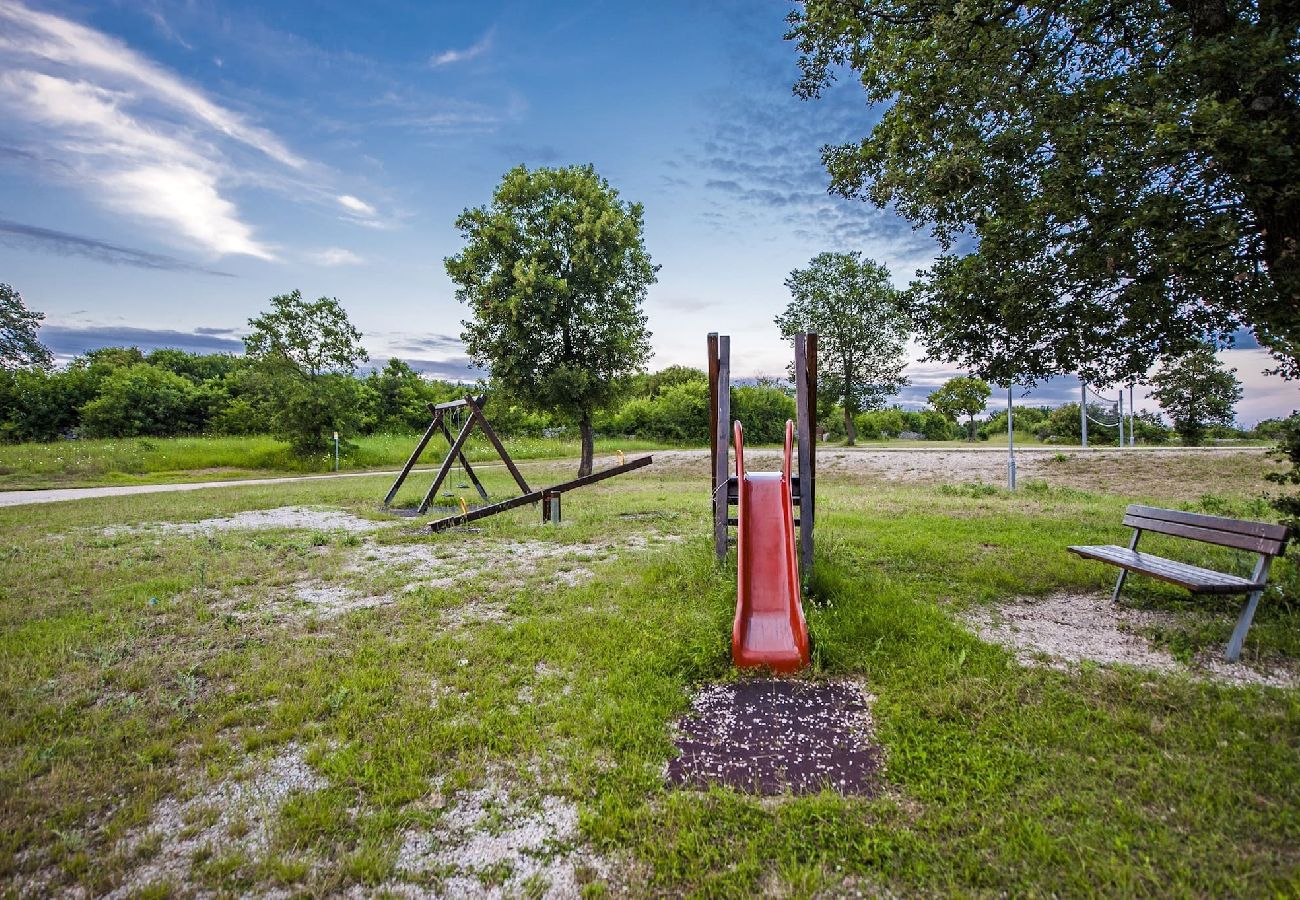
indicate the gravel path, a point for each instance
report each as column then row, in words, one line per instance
column 949, row 462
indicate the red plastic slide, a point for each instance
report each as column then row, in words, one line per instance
column 769, row 629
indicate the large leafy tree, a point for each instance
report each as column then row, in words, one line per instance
column 554, row 272
column 1112, row 182
column 311, row 350
column 862, row 333
column 1195, row 390
column 960, row 396
column 19, row 346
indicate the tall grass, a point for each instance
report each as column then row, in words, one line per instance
column 135, row 459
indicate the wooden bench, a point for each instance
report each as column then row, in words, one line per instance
column 1267, row 540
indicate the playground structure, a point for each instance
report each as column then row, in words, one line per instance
column 769, row 627
column 549, row 496
column 473, row 407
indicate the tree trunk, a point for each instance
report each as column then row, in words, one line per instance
column 970, row 428
column 588, row 445
column 850, row 429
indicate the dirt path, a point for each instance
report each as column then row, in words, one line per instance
column 952, row 463
column 58, row 495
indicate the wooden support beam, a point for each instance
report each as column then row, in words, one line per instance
column 476, row 413
column 713, row 411
column 456, row 446
column 722, row 441
column 419, row 448
column 806, row 428
column 464, row 463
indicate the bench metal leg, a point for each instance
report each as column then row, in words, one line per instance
column 1238, row 639
column 1233, row 653
column 1123, row 573
column 1119, row 584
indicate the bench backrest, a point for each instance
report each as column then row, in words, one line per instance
column 1260, row 537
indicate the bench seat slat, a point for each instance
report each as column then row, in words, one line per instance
column 1193, row 578
column 1206, row 535
column 1218, row 523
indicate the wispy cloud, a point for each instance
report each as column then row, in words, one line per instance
column 67, row 341
column 88, row 110
column 67, row 244
column 335, row 256
column 65, row 43
column 473, row 51
column 356, row 205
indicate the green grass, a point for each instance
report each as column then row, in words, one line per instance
column 152, row 460
column 140, row 666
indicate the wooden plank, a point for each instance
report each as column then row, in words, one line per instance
column 1193, row 578
column 464, row 464
column 585, row 480
column 1218, row 523
column 419, row 449
column 534, row 496
column 722, row 437
column 1206, row 535
column 476, row 413
column 484, row 511
column 457, row 404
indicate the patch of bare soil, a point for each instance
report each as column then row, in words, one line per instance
column 300, row 517
column 513, row 563
column 233, row 815
column 773, row 736
column 1062, row 630
column 490, row 843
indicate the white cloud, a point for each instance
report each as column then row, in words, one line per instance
column 335, row 256
column 138, row 138
column 357, row 205
column 131, row 167
column 66, row 43
column 477, row 49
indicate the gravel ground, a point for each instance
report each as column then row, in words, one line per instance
column 1065, row 629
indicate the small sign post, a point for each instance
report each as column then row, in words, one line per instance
column 336, row 451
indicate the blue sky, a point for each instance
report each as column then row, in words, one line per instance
column 166, row 167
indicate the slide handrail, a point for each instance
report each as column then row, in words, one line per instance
column 738, row 434
column 789, row 450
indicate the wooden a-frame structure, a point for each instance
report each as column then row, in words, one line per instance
column 456, row 453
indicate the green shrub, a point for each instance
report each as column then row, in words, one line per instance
column 143, row 399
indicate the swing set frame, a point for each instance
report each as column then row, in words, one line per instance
column 456, row 453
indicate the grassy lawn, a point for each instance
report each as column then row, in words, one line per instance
column 89, row 463
column 372, row 687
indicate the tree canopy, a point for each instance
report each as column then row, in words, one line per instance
column 554, row 272
column 962, row 396
column 1111, row 182
column 19, row 346
column 861, row 330
column 1195, row 390
column 314, row 343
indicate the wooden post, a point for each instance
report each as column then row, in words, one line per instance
column 805, row 429
column 811, row 354
column 721, row 441
column 713, row 415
